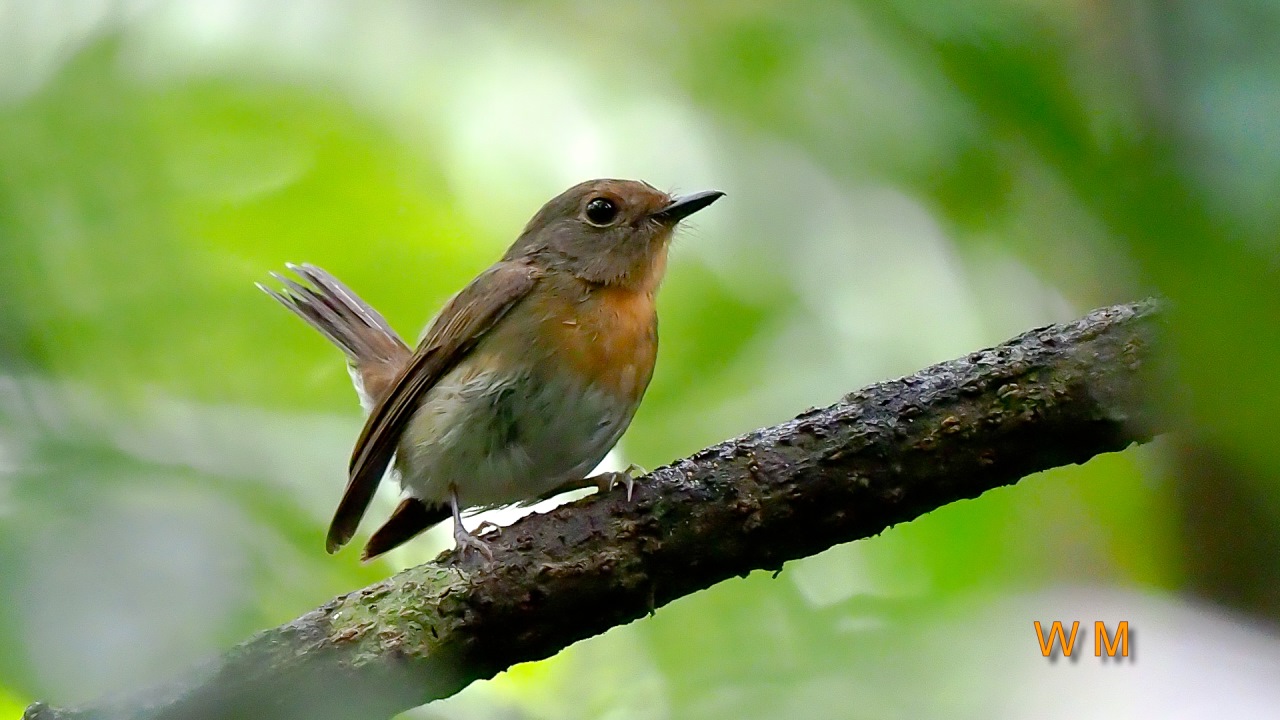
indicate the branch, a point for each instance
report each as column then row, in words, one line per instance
column 883, row 455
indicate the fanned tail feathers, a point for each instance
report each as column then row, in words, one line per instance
column 338, row 313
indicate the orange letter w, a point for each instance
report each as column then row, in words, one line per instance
column 1056, row 632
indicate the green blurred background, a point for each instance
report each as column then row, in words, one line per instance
column 907, row 180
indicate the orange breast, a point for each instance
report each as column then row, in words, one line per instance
column 608, row 334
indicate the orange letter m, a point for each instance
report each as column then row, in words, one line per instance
column 1101, row 640
column 1056, row 633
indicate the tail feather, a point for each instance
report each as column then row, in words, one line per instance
column 411, row 517
column 339, row 314
column 349, row 300
column 375, row 351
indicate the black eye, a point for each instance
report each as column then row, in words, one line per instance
column 601, row 211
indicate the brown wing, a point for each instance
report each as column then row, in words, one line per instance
column 459, row 326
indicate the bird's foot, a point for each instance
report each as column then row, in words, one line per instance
column 467, row 541
column 607, row 481
column 486, row 528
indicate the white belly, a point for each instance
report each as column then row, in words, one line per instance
column 500, row 441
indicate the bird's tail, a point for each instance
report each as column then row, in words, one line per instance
column 376, row 353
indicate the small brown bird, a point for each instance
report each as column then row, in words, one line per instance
column 524, row 380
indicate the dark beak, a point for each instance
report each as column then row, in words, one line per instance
column 686, row 205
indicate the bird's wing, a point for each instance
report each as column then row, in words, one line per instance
column 461, row 324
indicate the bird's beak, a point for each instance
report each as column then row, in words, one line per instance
column 686, row 205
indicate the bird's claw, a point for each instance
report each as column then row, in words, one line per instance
column 609, row 480
column 467, row 541
column 485, row 527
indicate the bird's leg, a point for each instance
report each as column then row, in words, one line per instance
column 465, row 540
column 604, row 482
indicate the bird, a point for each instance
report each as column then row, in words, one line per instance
column 525, row 378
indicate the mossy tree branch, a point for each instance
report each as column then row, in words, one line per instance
column 880, row 456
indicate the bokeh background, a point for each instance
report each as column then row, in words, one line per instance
column 907, row 180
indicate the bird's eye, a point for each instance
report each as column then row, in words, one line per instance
column 601, row 211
